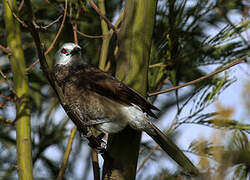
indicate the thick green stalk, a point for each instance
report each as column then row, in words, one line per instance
column 132, row 68
column 105, row 39
column 24, row 157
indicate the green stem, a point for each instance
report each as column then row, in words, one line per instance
column 106, row 37
column 67, row 153
column 24, row 157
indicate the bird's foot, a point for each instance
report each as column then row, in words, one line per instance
column 97, row 144
column 87, row 135
column 100, row 150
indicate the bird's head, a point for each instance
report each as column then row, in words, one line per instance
column 69, row 54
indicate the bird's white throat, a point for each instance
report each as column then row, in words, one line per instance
column 64, row 55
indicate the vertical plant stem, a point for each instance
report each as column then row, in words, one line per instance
column 95, row 164
column 67, row 153
column 24, row 157
column 106, row 37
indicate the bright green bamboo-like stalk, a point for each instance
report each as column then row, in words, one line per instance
column 24, row 157
column 106, row 38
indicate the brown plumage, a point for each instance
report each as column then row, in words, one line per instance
column 103, row 102
column 95, row 80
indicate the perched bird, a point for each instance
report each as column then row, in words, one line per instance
column 103, row 102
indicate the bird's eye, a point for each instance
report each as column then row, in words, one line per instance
column 63, row 51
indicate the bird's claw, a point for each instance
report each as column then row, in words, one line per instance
column 100, row 150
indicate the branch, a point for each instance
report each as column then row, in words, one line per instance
column 67, row 153
column 111, row 31
column 43, row 28
column 221, row 11
column 2, row 105
column 4, row 49
column 106, row 40
column 102, row 16
column 20, row 6
column 74, row 25
column 90, row 36
column 237, row 61
column 95, row 164
column 7, row 97
column 147, row 158
column 7, row 81
column 17, row 18
column 6, row 121
column 245, row 13
column 52, row 23
column 54, row 41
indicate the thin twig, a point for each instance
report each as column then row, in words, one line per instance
column 75, row 33
column 168, row 131
column 200, row 155
column 95, row 164
column 74, row 25
column 7, row 81
column 118, row 21
column 17, row 18
column 102, row 16
column 7, row 97
column 55, row 39
column 105, row 41
column 90, row 36
column 24, row 24
column 2, row 105
column 20, row 6
column 52, row 23
column 224, row 14
column 67, row 153
column 6, row 121
column 47, row 1
column 157, row 65
column 237, row 61
column 111, row 31
column 4, row 49
column 147, row 158
column 245, row 13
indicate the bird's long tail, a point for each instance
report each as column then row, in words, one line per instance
column 172, row 150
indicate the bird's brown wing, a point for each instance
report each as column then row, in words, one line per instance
column 102, row 83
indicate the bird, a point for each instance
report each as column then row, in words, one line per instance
column 103, row 102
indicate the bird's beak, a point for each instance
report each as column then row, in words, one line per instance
column 75, row 51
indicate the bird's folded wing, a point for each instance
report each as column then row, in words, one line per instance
column 104, row 84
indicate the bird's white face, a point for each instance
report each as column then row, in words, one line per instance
column 68, row 54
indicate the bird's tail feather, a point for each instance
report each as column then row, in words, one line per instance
column 173, row 151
